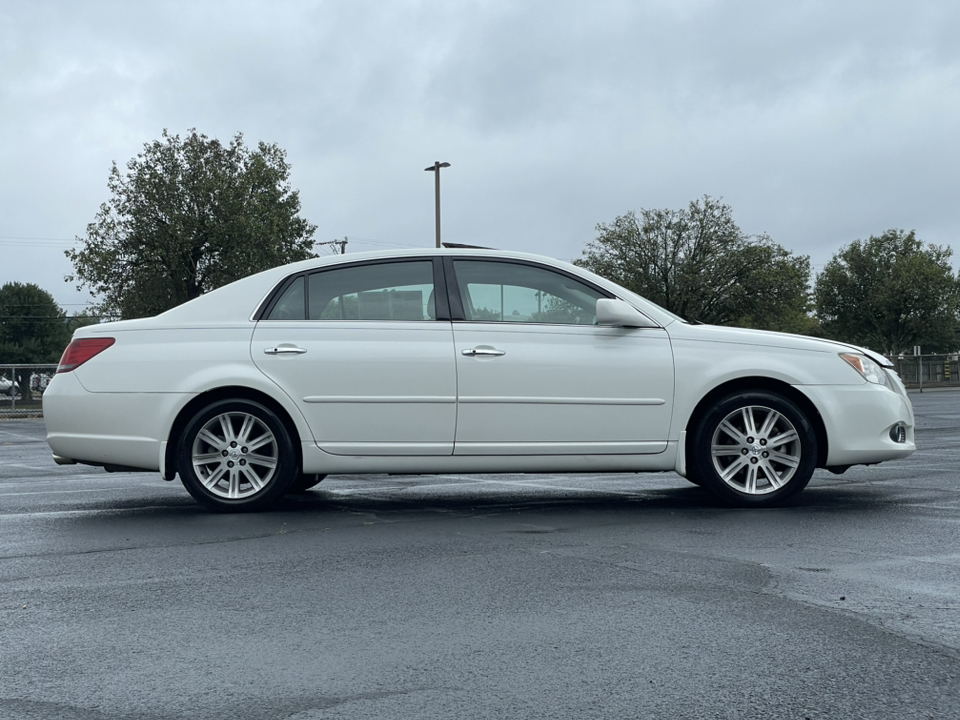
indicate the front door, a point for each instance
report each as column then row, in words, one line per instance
column 536, row 376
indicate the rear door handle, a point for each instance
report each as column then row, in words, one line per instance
column 284, row 350
column 484, row 351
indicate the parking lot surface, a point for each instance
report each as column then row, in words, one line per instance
column 497, row 596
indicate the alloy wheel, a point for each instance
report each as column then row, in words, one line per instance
column 234, row 455
column 755, row 450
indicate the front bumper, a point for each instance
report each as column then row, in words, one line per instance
column 858, row 420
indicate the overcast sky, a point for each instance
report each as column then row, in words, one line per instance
column 818, row 122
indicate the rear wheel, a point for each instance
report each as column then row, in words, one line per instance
column 754, row 449
column 236, row 456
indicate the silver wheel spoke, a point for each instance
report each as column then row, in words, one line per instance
column 768, row 424
column 264, row 439
column 733, row 468
column 788, row 460
column 725, row 450
column 748, row 423
column 226, row 428
column 207, row 459
column 772, row 476
column 245, row 429
column 210, row 439
column 252, row 478
column 234, row 490
column 730, row 430
column 211, row 482
column 750, row 485
column 262, row 460
column 783, row 439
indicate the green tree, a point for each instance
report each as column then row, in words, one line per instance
column 890, row 293
column 700, row 265
column 33, row 329
column 188, row 216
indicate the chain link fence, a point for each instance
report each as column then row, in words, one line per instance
column 928, row 371
column 21, row 389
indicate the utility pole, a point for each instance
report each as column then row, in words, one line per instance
column 342, row 244
column 435, row 168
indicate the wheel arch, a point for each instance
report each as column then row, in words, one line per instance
column 779, row 387
column 230, row 392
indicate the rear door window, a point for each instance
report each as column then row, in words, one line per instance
column 392, row 291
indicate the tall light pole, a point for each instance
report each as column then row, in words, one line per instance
column 435, row 168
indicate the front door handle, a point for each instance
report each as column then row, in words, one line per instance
column 284, row 350
column 484, row 351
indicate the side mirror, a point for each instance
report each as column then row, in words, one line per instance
column 621, row 314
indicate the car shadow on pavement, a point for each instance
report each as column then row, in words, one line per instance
column 422, row 496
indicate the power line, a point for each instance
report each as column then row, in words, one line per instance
column 30, row 237
column 24, row 238
column 41, row 242
column 370, row 241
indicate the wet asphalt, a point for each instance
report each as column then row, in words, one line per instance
column 497, row 596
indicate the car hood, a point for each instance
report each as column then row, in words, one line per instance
column 767, row 338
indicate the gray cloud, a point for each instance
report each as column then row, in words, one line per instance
column 818, row 122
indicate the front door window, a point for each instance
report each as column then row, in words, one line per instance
column 511, row 292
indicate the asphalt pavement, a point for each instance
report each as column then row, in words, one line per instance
column 496, row 596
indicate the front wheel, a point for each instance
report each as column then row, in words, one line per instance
column 754, row 449
column 236, row 456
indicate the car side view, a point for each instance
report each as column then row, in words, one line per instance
column 464, row 361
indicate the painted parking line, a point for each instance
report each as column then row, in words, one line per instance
column 30, row 439
column 61, row 480
column 68, row 492
column 42, row 468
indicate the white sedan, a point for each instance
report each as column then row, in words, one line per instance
column 461, row 361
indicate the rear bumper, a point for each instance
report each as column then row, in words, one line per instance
column 116, row 429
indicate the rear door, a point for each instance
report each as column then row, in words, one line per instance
column 365, row 354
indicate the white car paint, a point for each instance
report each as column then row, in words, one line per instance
column 563, row 390
column 454, row 395
column 386, row 388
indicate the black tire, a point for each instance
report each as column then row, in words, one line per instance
column 236, row 456
column 302, row 482
column 754, row 449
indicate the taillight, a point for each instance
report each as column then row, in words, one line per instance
column 81, row 350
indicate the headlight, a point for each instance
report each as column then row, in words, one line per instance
column 871, row 371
